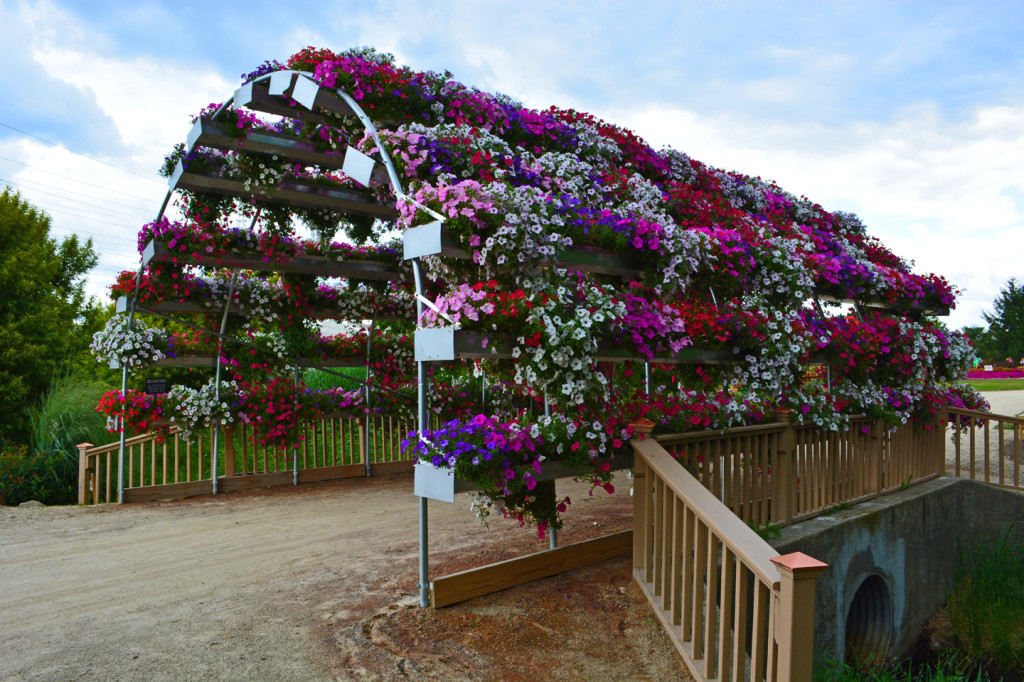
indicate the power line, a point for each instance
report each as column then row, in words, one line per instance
column 85, row 217
column 106, row 189
column 77, row 194
column 87, row 156
column 76, row 201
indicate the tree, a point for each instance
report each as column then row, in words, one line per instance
column 45, row 318
column 1005, row 335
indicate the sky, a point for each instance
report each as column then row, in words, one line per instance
column 909, row 114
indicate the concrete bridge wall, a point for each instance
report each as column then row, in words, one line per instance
column 892, row 560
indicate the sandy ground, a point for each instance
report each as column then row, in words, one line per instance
column 1004, row 403
column 317, row 582
column 312, row 583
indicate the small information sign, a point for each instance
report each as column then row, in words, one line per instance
column 156, row 386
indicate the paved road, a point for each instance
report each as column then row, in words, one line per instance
column 1005, row 402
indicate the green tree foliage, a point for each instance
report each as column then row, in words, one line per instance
column 1005, row 335
column 46, row 322
column 982, row 346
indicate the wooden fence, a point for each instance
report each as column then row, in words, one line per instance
column 180, row 467
column 780, row 473
column 986, row 447
column 733, row 609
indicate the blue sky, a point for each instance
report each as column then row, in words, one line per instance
column 910, row 114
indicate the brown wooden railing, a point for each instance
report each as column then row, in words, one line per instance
column 780, row 473
column 986, row 447
column 733, row 609
column 175, row 466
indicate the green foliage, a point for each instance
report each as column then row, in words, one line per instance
column 320, row 380
column 951, row 667
column 45, row 319
column 67, row 416
column 1004, row 339
column 986, row 608
column 767, row 531
column 33, row 475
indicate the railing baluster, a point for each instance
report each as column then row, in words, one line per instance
column 659, row 530
column 678, row 555
column 726, row 632
column 689, row 556
column 699, row 576
column 711, row 606
column 739, row 640
column 759, row 642
column 988, row 466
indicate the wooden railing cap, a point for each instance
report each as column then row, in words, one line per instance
column 643, row 425
column 798, row 562
column 84, row 446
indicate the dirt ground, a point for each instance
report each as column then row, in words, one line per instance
column 313, row 583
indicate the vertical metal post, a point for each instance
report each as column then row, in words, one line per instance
column 124, row 370
column 215, row 460
column 366, row 432
column 647, row 378
column 295, row 448
column 552, row 532
column 422, row 423
column 120, row 452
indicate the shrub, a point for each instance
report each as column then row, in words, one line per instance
column 33, row 475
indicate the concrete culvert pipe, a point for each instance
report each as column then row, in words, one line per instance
column 869, row 622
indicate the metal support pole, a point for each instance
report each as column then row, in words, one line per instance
column 366, row 431
column 295, row 448
column 120, row 452
column 421, row 389
column 215, row 460
column 647, row 378
column 552, row 533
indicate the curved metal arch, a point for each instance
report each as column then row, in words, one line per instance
column 396, row 186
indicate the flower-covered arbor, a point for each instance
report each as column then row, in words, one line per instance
column 569, row 278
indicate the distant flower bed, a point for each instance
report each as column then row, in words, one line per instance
column 997, row 373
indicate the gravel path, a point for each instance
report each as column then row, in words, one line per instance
column 315, row 582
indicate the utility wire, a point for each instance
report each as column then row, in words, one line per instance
column 29, row 183
column 106, row 189
column 76, row 201
column 85, row 217
column 87, row 156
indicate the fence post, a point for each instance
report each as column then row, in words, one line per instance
column 783, row 478
column 364, row 441
column 939, row 443
column 794, row 615
column 229, row 451
column 83, row 473
column 641, row 429
column 874, row 453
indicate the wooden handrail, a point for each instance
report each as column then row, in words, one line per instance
column 985, row 415
column 705, row 573
column 675, row 438
column 748, row 545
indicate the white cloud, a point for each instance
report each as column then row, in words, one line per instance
column 942, row 193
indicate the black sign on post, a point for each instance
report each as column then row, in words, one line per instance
column 156, row 386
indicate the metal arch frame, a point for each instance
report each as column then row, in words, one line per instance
column 399, row 194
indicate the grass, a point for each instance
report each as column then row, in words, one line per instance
column 65, row 417
column 950, row 667
column 987, row 385
column 986, row 608
column 319, row 379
